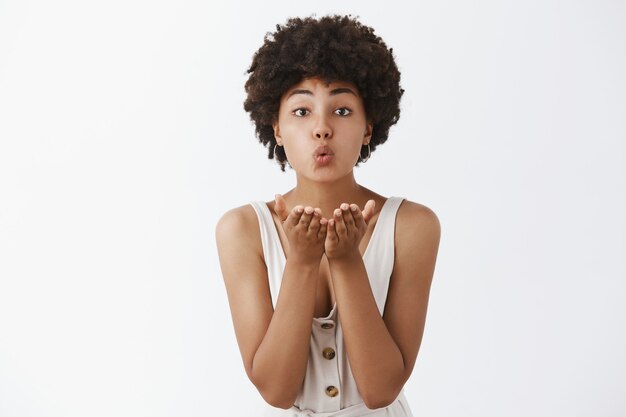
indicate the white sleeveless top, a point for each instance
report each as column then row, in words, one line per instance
column 329, row 389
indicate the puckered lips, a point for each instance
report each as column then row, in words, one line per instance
column 323, row 155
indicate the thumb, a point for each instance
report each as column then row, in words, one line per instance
column 368, row 210
column 280, row 208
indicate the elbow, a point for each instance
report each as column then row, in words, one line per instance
column 374, row 403
column 380, row 399
column 279, row 392
column 277, row 400
column 276, row 395
column 385, row 392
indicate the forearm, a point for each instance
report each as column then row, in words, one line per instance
column 280, row 362
column 375, row 359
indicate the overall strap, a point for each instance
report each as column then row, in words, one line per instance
column 380, row 253
column 272, row 249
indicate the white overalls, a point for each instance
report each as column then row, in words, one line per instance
column 329, row 389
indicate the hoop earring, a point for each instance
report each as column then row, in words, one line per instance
column 275, row 145
column 369, row 154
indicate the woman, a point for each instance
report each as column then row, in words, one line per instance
column 328, row 284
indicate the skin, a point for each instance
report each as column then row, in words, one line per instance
column 324, row 224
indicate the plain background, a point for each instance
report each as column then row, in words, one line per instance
column 123, row 140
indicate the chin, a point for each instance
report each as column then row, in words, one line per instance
column 326, row 175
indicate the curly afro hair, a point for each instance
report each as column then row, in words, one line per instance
column 333, row 48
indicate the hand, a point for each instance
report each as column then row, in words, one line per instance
column 305, row 229
column 346, row 229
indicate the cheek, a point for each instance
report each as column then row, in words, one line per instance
column 295, row 150
column 290, row 130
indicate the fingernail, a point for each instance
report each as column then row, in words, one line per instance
column 344, row 206
column 308, row 210
column 353, row 207
column 331, row 222
column 337, row 213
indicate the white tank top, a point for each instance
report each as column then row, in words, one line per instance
column 329, row 389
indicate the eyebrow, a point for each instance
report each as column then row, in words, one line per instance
column 333, row 92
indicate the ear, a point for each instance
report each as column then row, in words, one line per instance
column 279, row 139
column 367, row 137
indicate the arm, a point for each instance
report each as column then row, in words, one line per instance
column 274, row 345
column 383, row 350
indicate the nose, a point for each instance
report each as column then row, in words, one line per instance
column 322, row 129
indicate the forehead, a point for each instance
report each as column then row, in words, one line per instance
column 317, row 86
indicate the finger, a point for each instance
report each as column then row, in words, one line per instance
column 294, row 215
column 348, row 220
column 321, row 234
column 318, row 211
column 368, row 210
column 280, row 208
column 357, row 214
column 331, row 232
column 340, row 226
column 305, row 219
column 315, row 221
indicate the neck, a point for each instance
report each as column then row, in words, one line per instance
column 326, row 195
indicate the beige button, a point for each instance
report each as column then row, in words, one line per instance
column 328, row 353
column 327, row 326
column 332, row 391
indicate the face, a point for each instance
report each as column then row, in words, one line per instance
column 322, row 128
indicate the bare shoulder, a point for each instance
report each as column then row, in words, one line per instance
column 238, row 222
column 416, row 221
column 418, row 232
column 236, row 233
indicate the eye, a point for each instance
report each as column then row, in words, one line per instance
column 300, row 112
column 343, row 111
